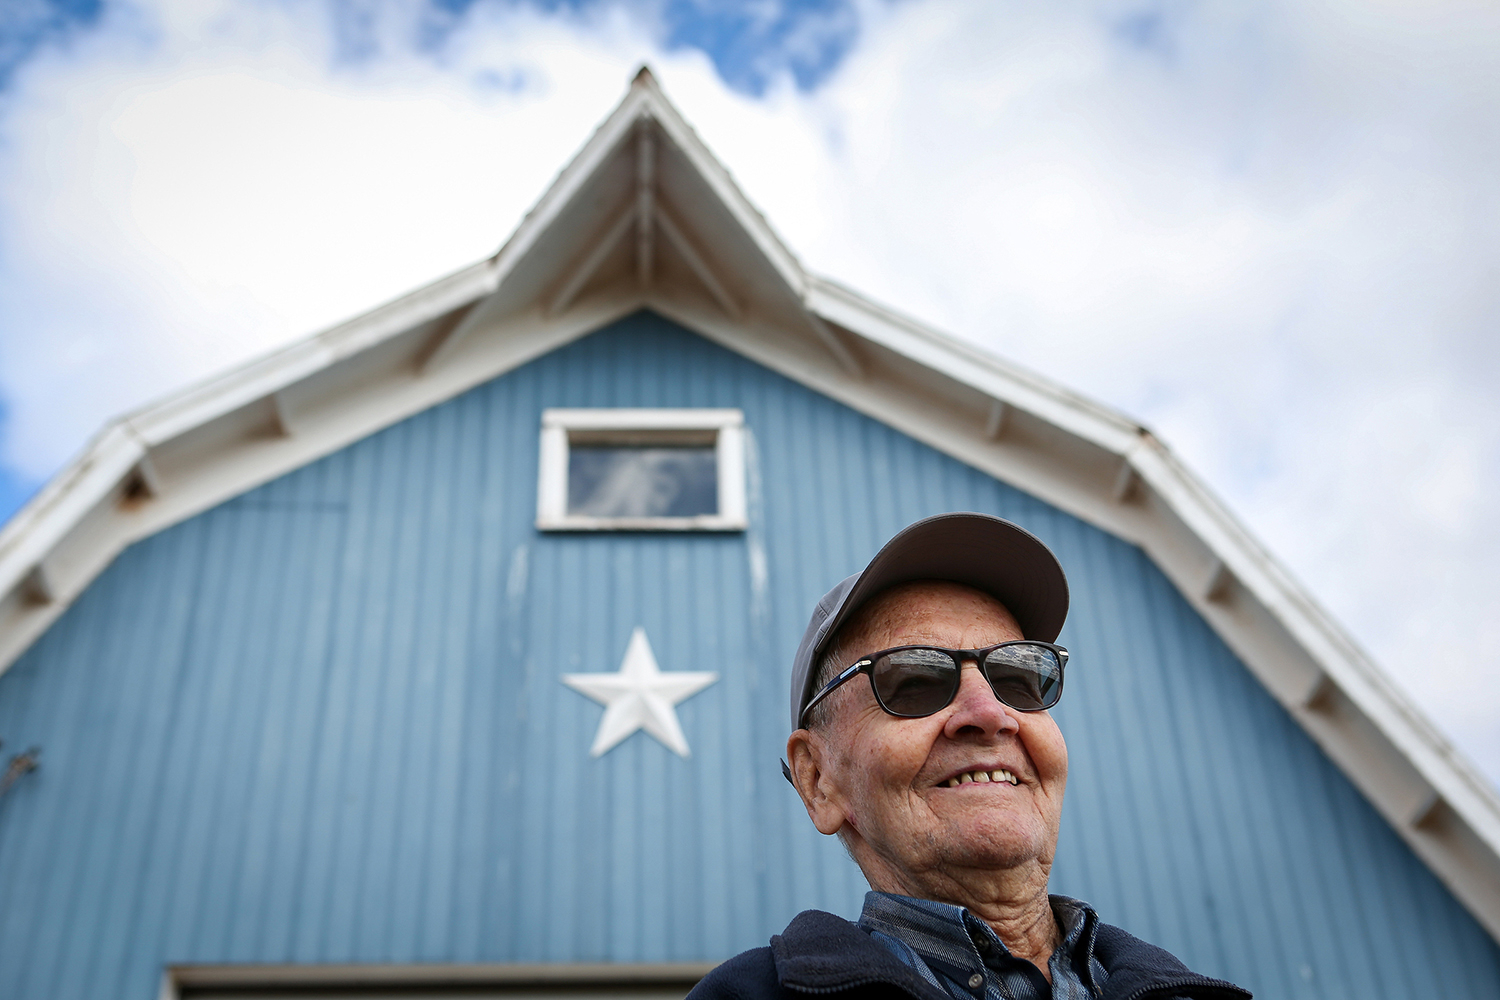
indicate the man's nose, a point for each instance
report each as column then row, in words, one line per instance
column 975, row 707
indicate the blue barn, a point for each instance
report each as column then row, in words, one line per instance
column 314, row 653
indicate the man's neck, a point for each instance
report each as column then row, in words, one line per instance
column 1013, row 902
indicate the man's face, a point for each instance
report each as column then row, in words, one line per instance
column 885, row 781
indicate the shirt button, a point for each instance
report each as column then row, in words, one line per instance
column 976, row 981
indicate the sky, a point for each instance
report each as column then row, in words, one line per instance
column 1270, row 232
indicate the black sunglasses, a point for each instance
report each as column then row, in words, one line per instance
column 911, row 682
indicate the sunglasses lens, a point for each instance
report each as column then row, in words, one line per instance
column 914, row 682
column 1025, row 677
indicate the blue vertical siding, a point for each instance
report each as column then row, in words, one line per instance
column 323, row 723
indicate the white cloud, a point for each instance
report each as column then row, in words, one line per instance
column 1269, row 232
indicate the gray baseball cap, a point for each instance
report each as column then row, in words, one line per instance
column 979, row 550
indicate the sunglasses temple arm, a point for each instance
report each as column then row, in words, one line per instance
column 828, row 689
column 786, row 772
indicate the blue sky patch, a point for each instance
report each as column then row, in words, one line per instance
column 750, row 41
column 15, row 489
column 27, row 24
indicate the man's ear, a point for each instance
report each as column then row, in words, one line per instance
column 816, row 781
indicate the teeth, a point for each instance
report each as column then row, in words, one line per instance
column 983, row 778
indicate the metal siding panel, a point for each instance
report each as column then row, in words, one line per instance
column 181, row 557
column 61, row 910
column 323, row 723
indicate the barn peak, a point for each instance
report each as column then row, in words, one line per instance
column 646, row 217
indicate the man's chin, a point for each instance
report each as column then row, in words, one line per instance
column 992, row 843
column 992, row 860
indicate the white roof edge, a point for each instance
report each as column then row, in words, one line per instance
column 1336, row 651
column 971, row 365
column 573, row 176
column 255, row 379
column 109, row 459
column 121, row 444
column 48, row 517
column 722, row 182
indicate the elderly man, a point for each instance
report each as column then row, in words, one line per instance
column 922, row 740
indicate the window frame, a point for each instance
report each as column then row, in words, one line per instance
column 561, row 428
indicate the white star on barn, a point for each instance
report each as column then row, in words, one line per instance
column 640, row 696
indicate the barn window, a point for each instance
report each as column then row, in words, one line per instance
column 641, row 470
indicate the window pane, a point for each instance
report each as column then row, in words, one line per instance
column 619, row 481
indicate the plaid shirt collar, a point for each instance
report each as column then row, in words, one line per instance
column 962, row 955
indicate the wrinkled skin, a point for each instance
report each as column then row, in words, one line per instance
column 879, row 782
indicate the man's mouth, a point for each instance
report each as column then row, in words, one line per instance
column 981, row 778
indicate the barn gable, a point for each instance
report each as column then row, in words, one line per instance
column 645, row 219
column 322, row 723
